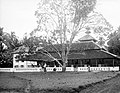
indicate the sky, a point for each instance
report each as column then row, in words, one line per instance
column 18, row 15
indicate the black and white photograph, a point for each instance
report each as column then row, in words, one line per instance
column 59, row 46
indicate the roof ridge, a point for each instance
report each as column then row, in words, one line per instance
column 87, row 37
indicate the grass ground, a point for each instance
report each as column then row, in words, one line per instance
column 53, row 82
column 106, row 86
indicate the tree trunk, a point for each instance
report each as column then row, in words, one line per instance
column 63, row 58
column 64, row 67
column 64, row 63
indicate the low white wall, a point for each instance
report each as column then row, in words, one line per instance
column 6, row 69
column 28, row 69
column 114, row 68
column 58, row 68
column 20, row 69
column 69, row 68
column 83, row 69
column 50, row 69
column 99, row 68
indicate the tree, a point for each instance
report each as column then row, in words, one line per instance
column 1, row 39
column 11, row 42
column 100, row 27
column 32, row 42
column 1, row 45
column 4, row 60
column 114, row 42
column 61, row 20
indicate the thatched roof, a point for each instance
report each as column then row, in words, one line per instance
column 92, row 54
column 88, row 54
column 23, row 49
column 87, row 38
column 89, row 45
column 36, row 57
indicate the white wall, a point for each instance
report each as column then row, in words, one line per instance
column 50, row 69
column 20, row 63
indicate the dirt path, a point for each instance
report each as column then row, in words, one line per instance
column 106, row 86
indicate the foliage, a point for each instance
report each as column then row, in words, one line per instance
column 32, row 42
column 100, row 26
column 8, row 43
column 61, row 20
column 11, row 40
column 101, row 41
column 4, row 55
column 82, row 9
column 114, row 42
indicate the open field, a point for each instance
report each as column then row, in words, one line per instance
column 53, row 82
column 106, row 86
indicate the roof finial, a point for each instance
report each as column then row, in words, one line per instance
column 88, row 30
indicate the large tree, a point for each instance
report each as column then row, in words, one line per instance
column 8, row 43
column 61, row 21
column 114, row 42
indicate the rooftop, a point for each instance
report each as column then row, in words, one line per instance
column 80, row 46
column 87, row 38
column 88, row 54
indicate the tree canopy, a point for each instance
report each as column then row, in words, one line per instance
column 8, row 44
column 61, row 20
column 114, row 42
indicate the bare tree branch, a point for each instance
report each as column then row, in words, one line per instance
column 49, row 55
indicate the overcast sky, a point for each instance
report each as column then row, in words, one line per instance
column 18, row 15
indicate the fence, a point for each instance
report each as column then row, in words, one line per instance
column 6, row 69
column 114, row 68
column 28, row 69
column 84, row 69
column 51, row 69
column 99, row 69
column 104, row 69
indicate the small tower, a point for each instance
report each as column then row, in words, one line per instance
column 87, row 37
